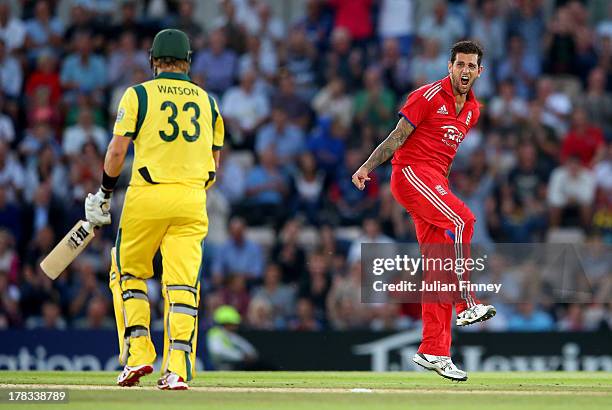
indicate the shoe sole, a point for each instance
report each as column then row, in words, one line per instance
column 488, row 315
column 432, row 368
column 166, row 387
column 134, row 377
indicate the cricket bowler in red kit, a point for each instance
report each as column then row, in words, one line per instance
column 433, row 122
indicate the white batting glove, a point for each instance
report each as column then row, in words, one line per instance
column 97, row 208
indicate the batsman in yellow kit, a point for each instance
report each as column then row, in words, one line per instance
column 177, row 133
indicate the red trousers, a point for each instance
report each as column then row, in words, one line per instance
column 443, row 220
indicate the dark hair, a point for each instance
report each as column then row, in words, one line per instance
column 466, row 47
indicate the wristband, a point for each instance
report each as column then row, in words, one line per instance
column 108, row 183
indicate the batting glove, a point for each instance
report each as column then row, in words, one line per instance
column 97, row 208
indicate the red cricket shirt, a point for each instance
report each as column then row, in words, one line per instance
column 438, row 128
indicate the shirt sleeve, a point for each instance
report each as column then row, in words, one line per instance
column 416, row 108
column 125, row 124
column 218, row 127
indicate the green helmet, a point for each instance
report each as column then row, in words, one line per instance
column 226, row 315
column 171, row 43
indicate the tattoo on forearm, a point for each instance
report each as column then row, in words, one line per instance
column 385, row 149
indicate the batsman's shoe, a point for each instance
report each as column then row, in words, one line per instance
column 130, row 376
column 171, row 381
column 443, row 365
column 477, row 313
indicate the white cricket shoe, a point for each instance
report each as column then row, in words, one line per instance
column 130, row 376
column 443, row 365
column 477, row 313
column 171, row 381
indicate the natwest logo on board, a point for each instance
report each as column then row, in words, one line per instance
column 395, row 352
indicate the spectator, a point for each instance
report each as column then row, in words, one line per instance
column 519, row 67
column 244, row 109
column 560, row 43
column 442, row 26
column 258, row 58
column 396, row 21
column 507, row 110
column 527, row 179
column 316, row 23
column 35, row 139
column 217, row 64
column 371, row 233
column 50, row 318
column 45, row 78
column 10, row 215
column 11, row 77
column 556, row 106
column 260, row 315
column 11, row 173
column 12, row 29
column 280, row 297
column 356, row 16
column 374, row 104
column 315, row 286
column 430, row 65
column 305, row 319
column 489, row 28
column 288, row 255
column 525, row 19
column 344, row 307
column 352, row 205
column 293, row 103
column 10, row 313
column 571, row 186
column 285, row 139
column 186, row 22
column 235, row 293
column 83, row 71
column 584, row 140
column 125, row 60
column 7, row 129
column 231, row 178
column 300, row 60
column 84, row 131
column 309, row 183
column 43, row 30
column 238, row 256
column 266, row 190
column 332, row 102
column 328, row 145
column 9, row 260
column 598, row 102
column 395, row 67
column 228, row 350
column 269, row 28
column 530, row 318
column 46, row 169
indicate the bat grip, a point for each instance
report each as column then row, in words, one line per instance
column 89, row 227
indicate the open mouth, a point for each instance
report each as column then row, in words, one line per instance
column 465, row 79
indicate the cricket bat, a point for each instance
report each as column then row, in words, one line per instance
column 68, row 249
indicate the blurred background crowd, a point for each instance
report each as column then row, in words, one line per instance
column 307, row 89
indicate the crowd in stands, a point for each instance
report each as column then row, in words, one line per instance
column 304, row 103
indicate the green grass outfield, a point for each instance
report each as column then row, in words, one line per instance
column 322, row 390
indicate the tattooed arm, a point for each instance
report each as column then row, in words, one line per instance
column 383, row 152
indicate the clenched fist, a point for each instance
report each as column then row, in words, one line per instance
column 360, row 177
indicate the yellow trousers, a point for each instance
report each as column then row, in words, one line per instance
column 172, row 218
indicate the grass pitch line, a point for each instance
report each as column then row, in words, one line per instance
column 215, row 389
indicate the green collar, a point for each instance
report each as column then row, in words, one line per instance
column 174, row 76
